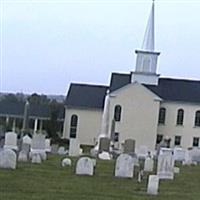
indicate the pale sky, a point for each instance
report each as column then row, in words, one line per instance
column 46, row 45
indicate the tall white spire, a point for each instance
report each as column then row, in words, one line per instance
column 149, row 37
column 146, row 62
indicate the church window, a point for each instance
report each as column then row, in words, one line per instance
column 115, row 137
column 180, row 117
column 177, row 141
column 73, row 126
column 195, row 142
column 162, row 113
column 197, row 118
column 117, row 113
column 159, row 138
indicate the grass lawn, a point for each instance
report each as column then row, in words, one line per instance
column 49, row 181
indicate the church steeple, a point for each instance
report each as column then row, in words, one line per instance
column 149, row 37
column 146, row 63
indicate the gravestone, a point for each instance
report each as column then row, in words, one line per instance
column 195, row 155
column 11, row 141
column 165, row 151
column 54, row 148
column 129, row 146
column 61, row 151
column 74, row 147
column 26, row 147
column 66, row 162
column 48, row 145
column 179, row 154
column 8, row 159
column 165, row 167
column 124, row 166
column 104, row 144
column 104, row 156
column 26, row 140
column 23, row 156
column 153, row 184
column 38, row 143
column 85, row 166
column 188, row 159
column 142, row 152
column 36, row 158
column 148, row 164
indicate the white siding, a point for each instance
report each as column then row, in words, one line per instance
column 88, row 124
column 188, row 130
column 139, row 114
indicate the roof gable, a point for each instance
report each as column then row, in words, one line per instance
column 119, row 80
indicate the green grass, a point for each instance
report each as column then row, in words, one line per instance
column 49, row 181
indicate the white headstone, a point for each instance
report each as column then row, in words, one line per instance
column 43, row 156
column 188, row 159
column 8, row 159
column 26, row 140
column 148, row 164
column 105, row 156
column 74, row 147
column 61, row 151
column 124, row 166
column 38, row 142
column 85, row 166
column 23, row 156
column 195, row 155
column 179, row 154
column 66, row 162
column 153, row 185
column 165, row 167
column 36, row 158
column 48, row 145
column 11, row 141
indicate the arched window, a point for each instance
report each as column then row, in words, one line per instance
column 162, row 113
column 180, row 117
column 197, row 118
column 73, row 126
column 117, row 114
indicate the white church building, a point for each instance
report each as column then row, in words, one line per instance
column 138, row 105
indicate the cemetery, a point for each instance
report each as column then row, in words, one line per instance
column 102, row 157
column 36, row 169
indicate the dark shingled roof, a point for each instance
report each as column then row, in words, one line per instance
column 84, row 95
column 92, row 96
column 177, row 90
column 119, row 80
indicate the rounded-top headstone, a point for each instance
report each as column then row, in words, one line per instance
column 85, row 166
column 124, row 166
column 8, row 159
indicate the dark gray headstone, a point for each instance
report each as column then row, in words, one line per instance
column 104, row 144
column 54, row 148
column 25, row 147
column 129, row 146
column 2, row 142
